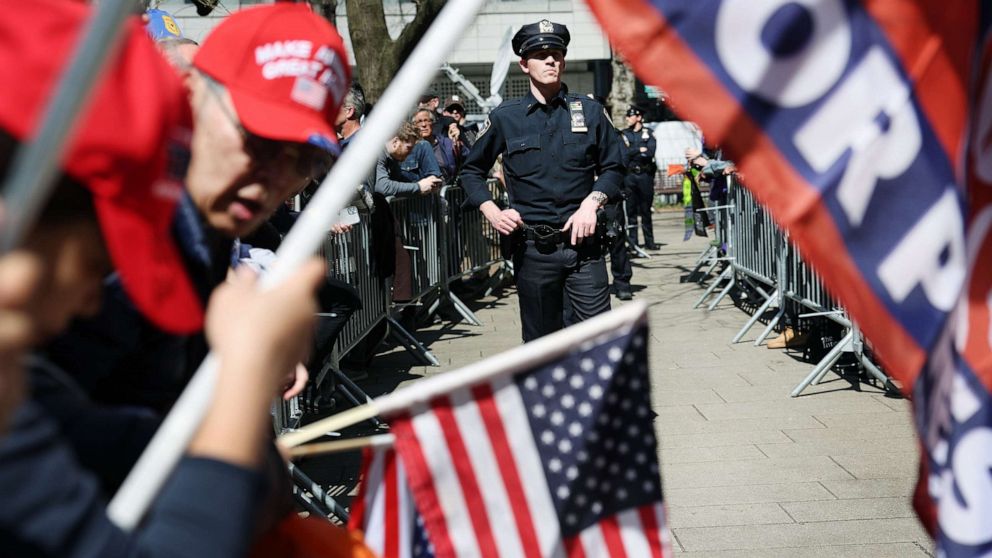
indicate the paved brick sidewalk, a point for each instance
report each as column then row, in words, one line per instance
column 748, row 470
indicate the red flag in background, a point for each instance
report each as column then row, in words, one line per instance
column 849, row 120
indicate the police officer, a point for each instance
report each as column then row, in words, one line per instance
column 561, row 162
column 638, row 156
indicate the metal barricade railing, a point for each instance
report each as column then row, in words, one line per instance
column 762, row 256
column 350, row 259
column 445, row 241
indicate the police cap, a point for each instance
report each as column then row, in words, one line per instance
column 634, row 111
column 543, row 35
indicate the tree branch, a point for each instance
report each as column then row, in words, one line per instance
column 427, row 10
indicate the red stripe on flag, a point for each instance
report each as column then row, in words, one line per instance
column 573, row 547
column 611, row 536
column 508, row 468
column 391, row 547
column 421, row 483
column 356, row 519
column 652, row 47
column 651, row 530
column 466, row 477
column 934, row 44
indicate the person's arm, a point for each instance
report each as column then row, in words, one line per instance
column 488, row 146
column 387, row 186
column 253, row 360
column 627, row 150
column 53, row 507
column 609, row 162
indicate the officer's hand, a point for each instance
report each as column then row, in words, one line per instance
column 505, row 221
column 582, row 223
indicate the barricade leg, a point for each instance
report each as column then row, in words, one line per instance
column 463, row 310
column 410, row 343
column 756, row 316
column 771, row 325
column 723, row 293
column 355, row 394
column 727, row 274
column 710, row 256
column 824, row 365
column 305, row 483
column 876, row 373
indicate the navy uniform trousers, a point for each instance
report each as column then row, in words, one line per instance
column 559, row 286
column 641, row 187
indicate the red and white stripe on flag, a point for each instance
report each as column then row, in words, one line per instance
column 383, row 510
column 478, row 479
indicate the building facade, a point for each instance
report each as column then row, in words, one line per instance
column 587, row 69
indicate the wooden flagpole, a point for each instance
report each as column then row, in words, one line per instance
column 339, row 446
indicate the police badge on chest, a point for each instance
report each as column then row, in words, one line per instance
column 578, row 117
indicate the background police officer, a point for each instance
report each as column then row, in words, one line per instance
column 561, row 162
column 638, row 156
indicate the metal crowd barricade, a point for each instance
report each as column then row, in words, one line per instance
column 761, row 257
column 719, row 250
column 446, row 241
column 473, row 245
column 349, row 259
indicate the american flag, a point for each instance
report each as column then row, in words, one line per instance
column 559, row 460
column 384, row 509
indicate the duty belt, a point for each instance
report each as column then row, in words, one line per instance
column 545, row 234
column 639, row 169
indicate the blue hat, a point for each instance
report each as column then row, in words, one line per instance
column 161, row 25
column 543, row 35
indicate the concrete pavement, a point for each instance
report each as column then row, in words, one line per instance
column 748, row 471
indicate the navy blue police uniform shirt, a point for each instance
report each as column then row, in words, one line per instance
column 633, row 143
column 549, row 169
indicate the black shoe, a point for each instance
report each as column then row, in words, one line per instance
column 624, row 294
column 651, row 247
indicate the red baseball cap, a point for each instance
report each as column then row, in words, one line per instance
column 285, row 68
column 128, row 149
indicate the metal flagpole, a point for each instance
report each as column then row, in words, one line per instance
column 160, row 457
column 35, row 166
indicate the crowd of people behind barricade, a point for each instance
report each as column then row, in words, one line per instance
column 179, row 177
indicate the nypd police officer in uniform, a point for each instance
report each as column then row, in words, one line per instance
column 562, row 163
column 639, row 149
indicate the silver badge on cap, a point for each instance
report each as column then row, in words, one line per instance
column 546, row 26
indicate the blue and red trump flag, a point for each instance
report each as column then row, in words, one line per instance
column 558, row 459
column 850, row 121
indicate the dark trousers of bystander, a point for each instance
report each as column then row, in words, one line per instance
column 641, row 186
column 620, row 266
column 546, row 277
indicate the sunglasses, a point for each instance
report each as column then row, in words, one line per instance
column 303, row 159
